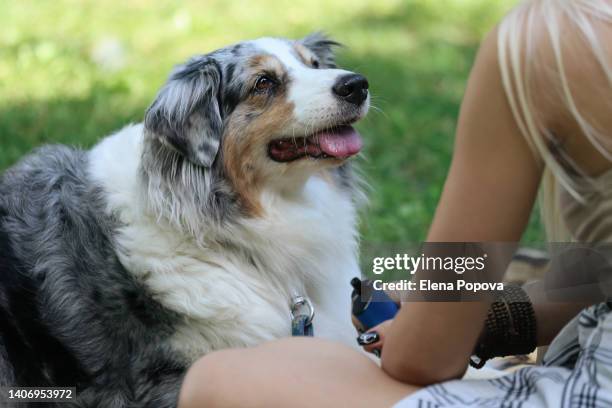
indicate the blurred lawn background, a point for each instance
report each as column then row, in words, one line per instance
column 73, row 71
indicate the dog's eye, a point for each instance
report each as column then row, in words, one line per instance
column 264, row 83
column 315, row 64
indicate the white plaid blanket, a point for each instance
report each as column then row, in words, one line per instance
column 576, row 372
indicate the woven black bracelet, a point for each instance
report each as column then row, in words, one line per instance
column 510, row 328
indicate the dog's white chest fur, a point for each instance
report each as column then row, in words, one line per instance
column 234, row 289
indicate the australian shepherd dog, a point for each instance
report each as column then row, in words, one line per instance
column 190, row 232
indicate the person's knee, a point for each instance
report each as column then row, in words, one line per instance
column 207, row 380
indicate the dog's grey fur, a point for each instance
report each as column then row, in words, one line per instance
column 71, row 314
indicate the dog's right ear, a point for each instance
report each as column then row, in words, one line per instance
column 323, row 47
column 185, row 114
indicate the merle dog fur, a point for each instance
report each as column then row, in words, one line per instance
column 70, row 313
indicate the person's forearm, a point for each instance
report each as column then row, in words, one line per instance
column 487, row 198
column 440, row 344
column 435, row 332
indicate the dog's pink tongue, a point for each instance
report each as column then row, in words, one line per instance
column 342, row 142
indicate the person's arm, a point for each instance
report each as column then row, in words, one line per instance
column 488, row 197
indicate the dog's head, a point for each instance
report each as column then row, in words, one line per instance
column 267, row 112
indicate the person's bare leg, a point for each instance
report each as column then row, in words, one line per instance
column 296, row 372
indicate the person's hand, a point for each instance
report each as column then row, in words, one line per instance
column 373, row 340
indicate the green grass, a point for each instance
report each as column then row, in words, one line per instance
column 415, row 53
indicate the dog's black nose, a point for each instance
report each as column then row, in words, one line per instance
column 352, row 88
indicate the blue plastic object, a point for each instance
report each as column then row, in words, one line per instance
column 371, row 307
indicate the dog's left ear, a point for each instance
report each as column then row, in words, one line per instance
column 323, row 47
column 185, row 114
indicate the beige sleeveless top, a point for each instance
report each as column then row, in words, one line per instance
column 590, row 221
